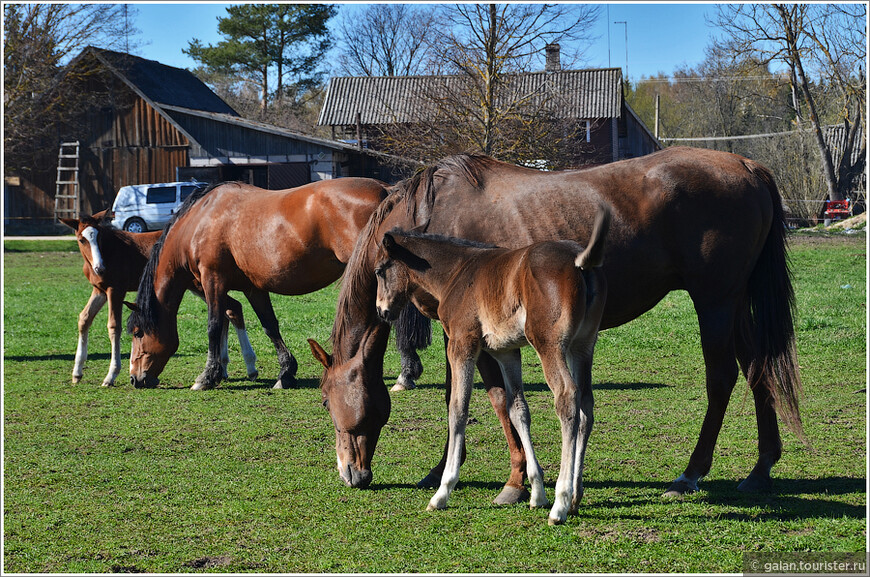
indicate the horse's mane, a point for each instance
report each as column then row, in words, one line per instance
column 462, row 242
column 146, row 317
column 418, row 193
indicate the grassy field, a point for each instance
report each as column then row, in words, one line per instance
column 242, row 478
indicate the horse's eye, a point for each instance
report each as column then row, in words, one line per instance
column 326, row 404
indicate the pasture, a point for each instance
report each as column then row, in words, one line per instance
column 242, row 478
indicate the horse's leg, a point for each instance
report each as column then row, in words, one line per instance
column 514, row 490
column 237, row 318
column 717, row 342
column 566, row 400
column 86, row 319
column 216, row 302
column 462, row 363
column 433, row 479
column 262, row 305
column 115, row 326
column 412, row 368
column 769, row 441
column 510, row 364
column 581, row 370
column 413, row 332
column 225, row 350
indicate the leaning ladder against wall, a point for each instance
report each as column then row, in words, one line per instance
column 66, row 198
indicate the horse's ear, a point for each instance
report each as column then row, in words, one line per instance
column 71, row 222
column 320, row 354
column 132, row 306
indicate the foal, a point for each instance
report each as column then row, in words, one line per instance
column 113, row 264
column 550, row 295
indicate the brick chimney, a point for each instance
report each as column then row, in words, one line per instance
column 554, row 62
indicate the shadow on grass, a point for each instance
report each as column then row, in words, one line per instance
column 791, row 499
column 538, row 387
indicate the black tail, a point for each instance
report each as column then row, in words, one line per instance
column 769, row 326
column 413, row 330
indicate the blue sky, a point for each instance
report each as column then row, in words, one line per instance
column 661, row 37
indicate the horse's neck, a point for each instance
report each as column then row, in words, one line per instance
column 171, row 279
column 447, row 262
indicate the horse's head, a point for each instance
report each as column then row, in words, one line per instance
column 153, row 345
column 392, row 276
column 87, row 229
column 356, row 397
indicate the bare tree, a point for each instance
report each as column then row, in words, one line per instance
column 485, row 43
column 39, row 39
column 385, row 40
column 807, row 38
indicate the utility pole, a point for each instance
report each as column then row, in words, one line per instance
column 624, row 23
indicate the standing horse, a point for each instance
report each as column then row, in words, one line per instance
column 707, row 222
column 113, row 264
column 239, row 237
column 550, row 295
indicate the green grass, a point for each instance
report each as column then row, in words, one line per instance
column 242, row 478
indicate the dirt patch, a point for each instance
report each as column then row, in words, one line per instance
column 208, row 562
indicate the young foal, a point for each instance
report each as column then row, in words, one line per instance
column 550, row 295
column 113, row 264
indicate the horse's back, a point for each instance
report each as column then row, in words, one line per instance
column 682, row 219
column 291, row 241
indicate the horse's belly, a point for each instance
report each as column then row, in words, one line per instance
column 505, row 333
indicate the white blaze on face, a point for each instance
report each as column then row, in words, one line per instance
column 90, row 234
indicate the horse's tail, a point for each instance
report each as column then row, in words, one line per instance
column 768, row 326
column 413, row 330
column 593, row 255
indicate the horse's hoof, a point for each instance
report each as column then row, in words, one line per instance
column 285, row 383
column 201, row 386
column 512, row 495
column 756, row 484
column 430, row 481
column 108, row 383
column 76, row 379
column 551, row 521
column 253, row 376
column 435, row 507
column 679, row 488
column 403, row 385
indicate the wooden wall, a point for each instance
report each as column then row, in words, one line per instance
column 128, row 142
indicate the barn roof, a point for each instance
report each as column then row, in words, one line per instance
column 594, row 93
column 161, row 84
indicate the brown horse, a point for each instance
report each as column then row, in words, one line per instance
column 239, row 237
column 707, row 222
column 549, row 295
column 113, row 264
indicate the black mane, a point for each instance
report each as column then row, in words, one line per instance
column 146, row 318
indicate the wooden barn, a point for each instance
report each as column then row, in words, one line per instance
column 161, row 124
column 355, row 107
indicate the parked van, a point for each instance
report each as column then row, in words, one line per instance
column 143, row 207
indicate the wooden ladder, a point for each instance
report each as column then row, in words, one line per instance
column 66, row 198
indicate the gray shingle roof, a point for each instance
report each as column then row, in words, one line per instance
column 399, row 99
column 163, row 84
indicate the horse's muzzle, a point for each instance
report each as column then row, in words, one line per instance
column 356, row 478
column 146, row 382
column 387, row 315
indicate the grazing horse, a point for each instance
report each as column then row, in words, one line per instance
column 113, row 264
column 707, row 222
column 549, row 295
column 239, row 237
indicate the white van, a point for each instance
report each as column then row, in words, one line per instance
column 143, row 207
